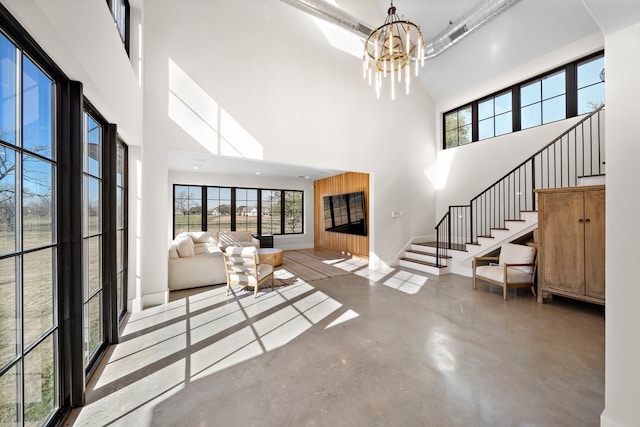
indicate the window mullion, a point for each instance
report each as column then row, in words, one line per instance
column 571, row 90
column 475, row 128
column 515, row 101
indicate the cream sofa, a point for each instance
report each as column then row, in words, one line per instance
column 195, row 257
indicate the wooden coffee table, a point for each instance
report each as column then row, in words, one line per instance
column 265, row 253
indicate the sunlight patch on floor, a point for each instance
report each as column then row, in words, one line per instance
column 345, row 317
column 403, row 281
column 165, row 347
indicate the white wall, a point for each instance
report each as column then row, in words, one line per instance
column 622, row 372
column 293, row 103
column 293, row 241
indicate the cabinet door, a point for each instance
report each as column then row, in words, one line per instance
column 594, row 203
column 563, row 241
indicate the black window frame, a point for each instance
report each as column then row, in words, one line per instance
column 68, row 108
column 204, row 223
column 571, row 100
column 121, row 21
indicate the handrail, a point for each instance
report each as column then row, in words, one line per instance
column 560, row 163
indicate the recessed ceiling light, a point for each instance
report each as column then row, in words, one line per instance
column 257, row 173
column 196, row 167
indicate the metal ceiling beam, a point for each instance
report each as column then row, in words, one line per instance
column 457, row 30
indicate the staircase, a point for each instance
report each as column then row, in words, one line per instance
column 506, row 210
column 422, row 256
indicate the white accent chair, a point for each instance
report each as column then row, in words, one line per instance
column 243, row 267
column 516, row 268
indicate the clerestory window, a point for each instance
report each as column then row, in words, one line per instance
column 573, row 89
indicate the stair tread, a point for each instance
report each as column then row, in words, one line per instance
column 425, row 253
column 499, row 228
column 516, row 220
column 454, row 246
column 430, row 264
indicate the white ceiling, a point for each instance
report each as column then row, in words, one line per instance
column 527, row 30
column 224, row 165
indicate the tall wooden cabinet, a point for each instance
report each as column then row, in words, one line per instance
column 571, row 259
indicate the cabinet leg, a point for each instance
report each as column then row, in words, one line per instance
column 544, row 297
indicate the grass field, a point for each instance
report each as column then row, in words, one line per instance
column 36, row 269
column 223, row 222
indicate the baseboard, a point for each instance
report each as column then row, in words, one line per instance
column 605, row 421
column 134, row 305
column 156, row 298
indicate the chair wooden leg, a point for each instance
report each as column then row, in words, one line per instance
column 504, row 291
column 255, row 290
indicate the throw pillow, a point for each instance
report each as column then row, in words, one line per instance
column 185, row 247
column 517, row 254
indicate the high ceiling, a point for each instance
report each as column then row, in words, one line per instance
column 527, row 30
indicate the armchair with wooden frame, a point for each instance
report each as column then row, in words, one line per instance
column 243, row 268
column 516, row 268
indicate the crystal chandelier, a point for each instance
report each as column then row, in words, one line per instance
column 389, row 51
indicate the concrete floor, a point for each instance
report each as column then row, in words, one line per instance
column 384, row 348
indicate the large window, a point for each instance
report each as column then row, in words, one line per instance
column 218, row 208
column 293, row 212
column 92, row 236
column 495, row 116
column 62, row 209
column 247, row 209
column 260, row 211
column 121, row 229
column 270, row 213
column 29, row 354
column 574, row 89
column 543, row 101
column 590, row 84
column 458, row 127
column 120, row 12
column 187, row 208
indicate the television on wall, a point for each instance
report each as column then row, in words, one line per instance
column 345, row 213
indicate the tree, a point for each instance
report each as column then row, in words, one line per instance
column 293, row 210
column 456, row 130
column 181, row 203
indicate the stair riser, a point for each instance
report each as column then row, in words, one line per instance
column 424, row 268
column 424, row 258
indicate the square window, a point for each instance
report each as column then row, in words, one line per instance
column 485, row 109
column 485, row 129
column 531, row 93
column 504, row 123
column 553, row 109
column 553, row 85
column 531, row 116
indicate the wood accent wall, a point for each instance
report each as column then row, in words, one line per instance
column 348, row 182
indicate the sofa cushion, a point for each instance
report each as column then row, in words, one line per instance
column 234, row 238
column 205, row 236
column 206, row 249
column 185, row 247
column 517, row 254
column 173, row 251
column 497, row 274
